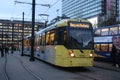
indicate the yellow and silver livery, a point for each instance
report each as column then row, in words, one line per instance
column 67, row 43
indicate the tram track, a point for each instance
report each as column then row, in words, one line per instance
column 4, row 74
column 29, row 70
column 5, row 68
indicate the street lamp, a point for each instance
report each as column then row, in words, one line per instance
column 33, row 24
column 2, row 41
column 32, row 32
column 12, row 37
column 22, row 54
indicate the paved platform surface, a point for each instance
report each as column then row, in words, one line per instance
column 106, row 65
column 17, row 64
column 100, row 64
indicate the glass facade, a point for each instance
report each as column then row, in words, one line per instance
column 81, row 8
column 119, row 11
column 9, row 29
column 87, row 9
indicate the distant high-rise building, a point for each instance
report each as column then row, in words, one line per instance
column 95, row 10
column 14, row 29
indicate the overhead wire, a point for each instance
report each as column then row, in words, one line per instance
column 50, row 7
column 13, row 11
column 30, row 10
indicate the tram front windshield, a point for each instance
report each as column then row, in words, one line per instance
column 80, row 39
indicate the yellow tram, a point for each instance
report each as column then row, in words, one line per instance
column 66, row 43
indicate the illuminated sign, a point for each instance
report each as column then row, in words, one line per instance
column 79, row 25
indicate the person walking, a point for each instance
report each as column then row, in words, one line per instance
column 116, row 43
column 113, row 55
column 6, row 50
column 2, row 51
column 118, row 58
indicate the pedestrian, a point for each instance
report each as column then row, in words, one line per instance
column 113, row 55
column 2, row 51
column 6, row 50
column 116, row 43
column 118, row 58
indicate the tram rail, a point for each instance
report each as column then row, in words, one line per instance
column 29, row 70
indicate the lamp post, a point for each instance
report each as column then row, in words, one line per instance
column 2, row 41
column 33, row 24
column 32, row 32
column 22, row 54
column 12, row 37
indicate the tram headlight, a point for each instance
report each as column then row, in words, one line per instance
column 91, row 55
column 71, row 53
column 38, row 47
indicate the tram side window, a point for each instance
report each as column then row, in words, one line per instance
column 52, row 37
column 59, row 37
column 43, row 39
column 29, row 41
column 40, row 40
column 36, row 41
column 47, row 38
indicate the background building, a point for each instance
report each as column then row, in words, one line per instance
column 94, row 10
column 13, row 29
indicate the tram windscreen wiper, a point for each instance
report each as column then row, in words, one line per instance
column 77, row 44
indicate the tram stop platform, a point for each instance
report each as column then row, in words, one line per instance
column 100, row 64
column 11, row 58
column 106, row 65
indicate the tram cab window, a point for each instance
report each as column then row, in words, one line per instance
column 60, row 36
